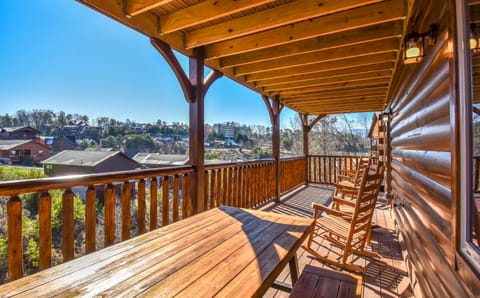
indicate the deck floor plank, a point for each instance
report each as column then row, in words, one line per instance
column 385, row 278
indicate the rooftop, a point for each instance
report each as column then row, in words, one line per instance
column 10, row 144
column 81, row 158
column 161, row 159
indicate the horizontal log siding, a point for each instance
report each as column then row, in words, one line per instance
column 421, row 160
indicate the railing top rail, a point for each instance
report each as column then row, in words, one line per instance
column 9, row 188
column 336, row 156
column 292, row 158
column 239, row 163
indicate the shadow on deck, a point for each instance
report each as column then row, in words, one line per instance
column 383, row 278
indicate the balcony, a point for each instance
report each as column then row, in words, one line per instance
column 109, row 200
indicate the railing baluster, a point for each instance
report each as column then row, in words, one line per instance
column 141, row 206
column 67, row 216
column 186, row 205
column 126, row 203
column 234, row 186
column 45, row 230
column 90, row 219
column 218, row 188
column 205, row 190
column 176, row 188
column 213, row 177
column 165, row 200
column 109, row 227
column 153, row 203
column 15, row 247
column 224, row 188
column 230, row 186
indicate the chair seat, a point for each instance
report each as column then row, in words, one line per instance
column 318, row 282
column 337, row 226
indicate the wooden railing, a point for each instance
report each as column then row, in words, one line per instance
column 243, row 184
column 325, row 168
column 164, row 190
column 293, row 172
column 129, row 203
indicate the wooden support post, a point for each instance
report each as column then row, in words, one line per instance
column 194, row 88
column 306, row 128
column 196, row 144
column 274, row 110
column 388, row 161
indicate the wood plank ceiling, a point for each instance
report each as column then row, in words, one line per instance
column 319, row 57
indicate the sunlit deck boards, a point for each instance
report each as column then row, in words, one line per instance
column 387, row 278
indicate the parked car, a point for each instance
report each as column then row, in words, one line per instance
column 4, row 161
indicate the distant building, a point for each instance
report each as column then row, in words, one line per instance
column 156, row 160
column 71, row 162
column 208, row 129
column 227, row 129
column 23, row 151
column 19, row 133
column 244, row 130
column 63, row 143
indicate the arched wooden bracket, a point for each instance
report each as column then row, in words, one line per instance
column 274, row 108
column 166, row 51
column 212, row 77
column 269, row 107
column 307, row 127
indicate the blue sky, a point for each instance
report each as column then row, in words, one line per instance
column 61, row 55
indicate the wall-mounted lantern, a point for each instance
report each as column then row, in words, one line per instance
column 414, row 44
column 474, row 39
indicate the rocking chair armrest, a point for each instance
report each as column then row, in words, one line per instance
column 344, row 177
column 343, row 201
column 346, row 187
column 329, row 211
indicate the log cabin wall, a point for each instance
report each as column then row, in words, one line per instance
column 421, row 144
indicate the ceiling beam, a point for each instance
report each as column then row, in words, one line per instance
column 332, row 100
column 135, row 7
column 321, row 43
column 205, row 12
column 341, row 93
column 365, row 49
column 355, row 18
column 145, row 23
column 345, row 106
column 293, row 12
column 327, row 81
column 322, row 67
column 358, row 70
column 337, row 86
column 339, row 110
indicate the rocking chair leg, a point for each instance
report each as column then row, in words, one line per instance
column 367, row 254
column 348, row 267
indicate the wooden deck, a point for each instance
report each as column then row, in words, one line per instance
column 385, row 278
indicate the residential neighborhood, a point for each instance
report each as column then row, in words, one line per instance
column 65, row 144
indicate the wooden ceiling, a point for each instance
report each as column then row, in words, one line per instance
column 319, row 57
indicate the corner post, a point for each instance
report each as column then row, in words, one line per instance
column 196, row 136
column 388, row 161
column 305, row 131
column 276, row 144
column 306, row 128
